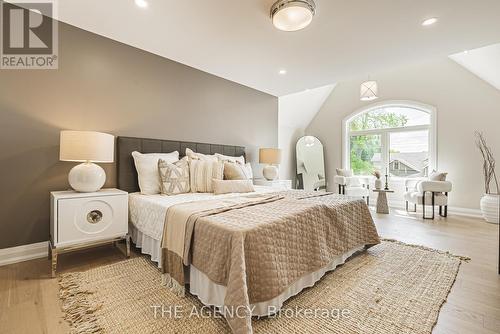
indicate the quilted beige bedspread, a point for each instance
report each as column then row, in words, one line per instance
column 257, row 250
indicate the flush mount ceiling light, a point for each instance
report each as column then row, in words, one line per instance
column 292, row 15
column 282, row 72
column 369, row 91
column 429, row 21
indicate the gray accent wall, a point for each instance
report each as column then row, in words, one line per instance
column 107, row 86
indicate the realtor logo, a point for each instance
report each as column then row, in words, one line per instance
column 28, row 35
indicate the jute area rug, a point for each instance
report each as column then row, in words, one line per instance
column 391, row 288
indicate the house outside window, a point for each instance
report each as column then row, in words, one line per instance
column 396, row 137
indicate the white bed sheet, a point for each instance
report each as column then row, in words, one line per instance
column 147, row 212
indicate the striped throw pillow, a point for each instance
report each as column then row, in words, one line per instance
column 201, row 174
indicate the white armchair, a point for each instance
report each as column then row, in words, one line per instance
column 356, row 186
column 428, row 193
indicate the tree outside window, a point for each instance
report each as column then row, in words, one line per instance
column 390, row 138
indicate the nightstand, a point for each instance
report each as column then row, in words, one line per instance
column 82, row 220
column 278, row 184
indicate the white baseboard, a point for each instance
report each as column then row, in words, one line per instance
column 452, row 210
column 474, row 213
column 23, row 253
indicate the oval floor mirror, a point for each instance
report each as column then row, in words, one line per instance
column 310, row 164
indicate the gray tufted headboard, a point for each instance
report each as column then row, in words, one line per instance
column 127, row 175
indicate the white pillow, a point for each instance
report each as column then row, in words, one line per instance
column 147, row 170
column 199, row 156
column 222, row 157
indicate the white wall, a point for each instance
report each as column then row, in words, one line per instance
column 483, row 62
column 295, row 113
column 464, row 103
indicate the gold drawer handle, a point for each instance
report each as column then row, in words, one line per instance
column 94, row 216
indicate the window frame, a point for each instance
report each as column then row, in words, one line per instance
column 385, row 133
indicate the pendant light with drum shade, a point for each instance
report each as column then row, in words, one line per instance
column 292, row 15
column 369, row 91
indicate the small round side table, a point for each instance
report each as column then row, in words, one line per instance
column 382, row 206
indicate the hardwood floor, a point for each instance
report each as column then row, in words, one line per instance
column 473, row 305
column 29, row 297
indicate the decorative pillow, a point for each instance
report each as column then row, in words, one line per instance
column 249, row 170
column 199, row 156
column 237, row 171
column 437, row 176
column 202, row 172
column 147, row 170
column 174, row 177
column 344, row 172
column 232, row 186
column 225, row 158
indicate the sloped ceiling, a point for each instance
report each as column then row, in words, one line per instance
column 298, row 110
column 483, row 62
column 235, row 39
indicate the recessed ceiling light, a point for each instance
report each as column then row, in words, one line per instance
column 141, row 3
column 282, row 72
column 430, row 21
column 292, row 15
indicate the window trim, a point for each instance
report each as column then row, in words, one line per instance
column 432, row 127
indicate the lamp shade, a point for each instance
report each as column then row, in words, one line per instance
column 86, row 146
column 270, row 156
column 369, row 91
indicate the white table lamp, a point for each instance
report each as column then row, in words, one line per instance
column 87, row 147
column 271, row 157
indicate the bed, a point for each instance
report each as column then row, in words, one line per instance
column 257, row 251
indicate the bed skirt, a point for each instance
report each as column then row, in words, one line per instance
column 213, row 294
column 148, row 245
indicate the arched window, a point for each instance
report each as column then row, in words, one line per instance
column 397, row 137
